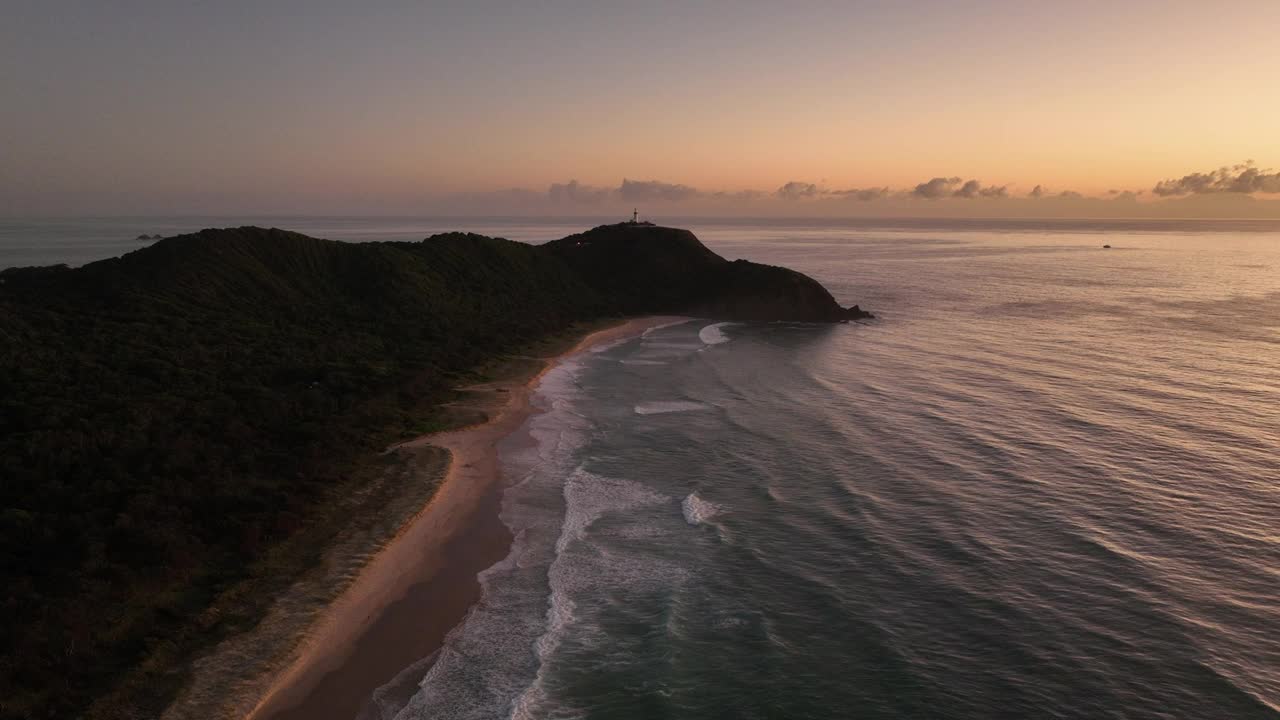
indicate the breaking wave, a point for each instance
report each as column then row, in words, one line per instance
column 660, row 407
column 696, row 510
column 713, row 335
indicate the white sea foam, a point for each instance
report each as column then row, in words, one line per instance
column 495, row 663
column 606, row 346
column 713, row 335
column 388, row 700
column 588, row 498
column 664, row 345
column 659, row 407
column 485, row 662
column 655, row 328
column 638, row 361
column 696, row 510
column 665, row 352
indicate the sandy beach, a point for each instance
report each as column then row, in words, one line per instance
column 420, row 585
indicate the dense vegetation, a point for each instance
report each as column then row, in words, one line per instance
column 642, row 268
column 168, row 416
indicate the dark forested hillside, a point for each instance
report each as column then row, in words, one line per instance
column 642, row 268
column 168, row 416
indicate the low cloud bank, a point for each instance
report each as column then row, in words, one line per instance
column 863, row 194
column 936, row 189
column 1244, row 178
column 797, row 191
column 1041, row 191
column 574, row 191
column 946, row 187
column 1233, row 186
column 646, row 190
column 629, row 191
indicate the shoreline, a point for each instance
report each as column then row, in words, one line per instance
column 422, row 582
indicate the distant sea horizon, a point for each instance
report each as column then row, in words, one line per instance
column 77, row 240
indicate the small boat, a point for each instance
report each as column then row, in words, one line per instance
column 1106, row 247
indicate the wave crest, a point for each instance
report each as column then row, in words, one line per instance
column 696, row 510
column 713, row 335
column 659, row 407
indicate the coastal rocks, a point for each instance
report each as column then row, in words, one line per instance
column 856, row 313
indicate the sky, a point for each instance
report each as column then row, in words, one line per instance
column 984, row 108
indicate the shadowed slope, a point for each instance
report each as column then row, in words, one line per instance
column 645, row 268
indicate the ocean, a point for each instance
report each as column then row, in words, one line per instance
column 1043, row 483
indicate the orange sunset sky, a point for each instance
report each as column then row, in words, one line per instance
column 1133, row 108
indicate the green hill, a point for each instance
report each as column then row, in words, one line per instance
column 168, row 416
column 642, row 268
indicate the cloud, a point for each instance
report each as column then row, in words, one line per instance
column 938, row 187
column 941, row 187
column 1041, row 191
column 573, row 191
column 862, row 194
column 629, row 191
column 647, row 190
column 1239, row 181
column 1243, row 178
column 797, row 191
column 955, row 196
column 748, row 195
column 805, row 191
